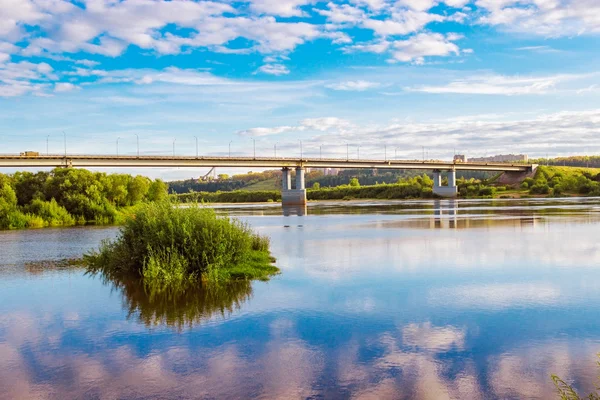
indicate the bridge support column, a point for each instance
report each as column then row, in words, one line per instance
column 300, row 178
column 444, row 191
column 286, row 179
column 293, row 197
column 437, row 179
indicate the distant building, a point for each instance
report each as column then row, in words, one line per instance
column 460, row 158
column 502, row 158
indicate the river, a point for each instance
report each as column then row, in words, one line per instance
column 473, row 299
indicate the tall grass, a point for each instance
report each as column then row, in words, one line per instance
column 165, row 243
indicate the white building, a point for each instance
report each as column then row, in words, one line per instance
column 501, row 158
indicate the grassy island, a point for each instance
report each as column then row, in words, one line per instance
column 170, row 245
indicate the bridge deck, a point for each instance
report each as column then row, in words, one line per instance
column 84, row 161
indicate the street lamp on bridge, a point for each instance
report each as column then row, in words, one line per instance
column 174, row 140
column 300, row 140
column 137, row 140
column 118, row 146
column 196, row 137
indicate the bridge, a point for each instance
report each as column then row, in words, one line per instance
column 289, row 195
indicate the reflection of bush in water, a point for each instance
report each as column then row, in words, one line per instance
column 567, row 392
column 183, row 305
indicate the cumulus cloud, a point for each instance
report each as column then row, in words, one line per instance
column 274, row 69
column 24, row 77
column 546, row 18
column 401, row 22
column 416, row 48
column 64, row 87
column 283, row 8
column 497, row 134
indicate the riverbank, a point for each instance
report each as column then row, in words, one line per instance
column 66, row 197
column 547, row 182
column 69, row 196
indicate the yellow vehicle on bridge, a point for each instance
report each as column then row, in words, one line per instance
column 30, row 154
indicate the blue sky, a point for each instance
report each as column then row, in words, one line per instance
column 477, row 77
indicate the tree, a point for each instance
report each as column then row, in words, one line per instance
column 354, row 182
column 137, row 189
column 316, row 186
column 223, row 177
column 158, row 190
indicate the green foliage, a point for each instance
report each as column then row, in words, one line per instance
column 65, row 196
column 157, row 191
column 50, row 212
column 226, row 183
column 171, row 244
column 559, row 180
column 417, row 187
column 354, row 182
column 237, row 196
column 316, row 186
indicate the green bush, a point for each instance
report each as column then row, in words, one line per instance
column 52, row 213
column 169, row 244
column 540, row 188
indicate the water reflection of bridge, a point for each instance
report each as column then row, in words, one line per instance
column 447, row 215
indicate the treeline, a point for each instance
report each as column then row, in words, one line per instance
column 376, row 177
column 68, row 196
column 571, row 161
column 224, row 183
column 557, row 181
column 417, row 187
column 236, row 196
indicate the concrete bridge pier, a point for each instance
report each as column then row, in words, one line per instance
column 444, row 191
column 289, row 196
column 286, row 179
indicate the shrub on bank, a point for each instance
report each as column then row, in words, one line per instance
column 170, row 244
column 236, row 196
column 51, row 213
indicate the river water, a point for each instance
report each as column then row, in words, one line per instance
column 423, row 299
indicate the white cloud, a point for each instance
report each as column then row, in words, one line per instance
column 87, row 63
column 499, row 85
column 357, row 86
column 372, row 4
column 416, row 48
column 24, row 77
column 267, row 131
column 274, row 69
column 325, row 124
column 419, row 5
column 283, row 8
column 106, row 28
column 342, row 14
column 64, row 87
column 373, row 47
column 401, row 22
column 550, row 18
